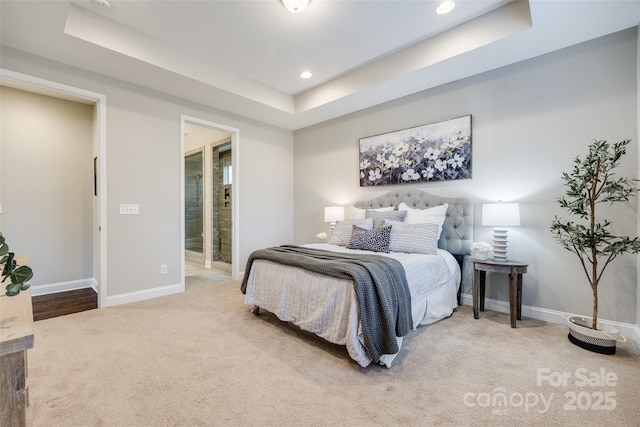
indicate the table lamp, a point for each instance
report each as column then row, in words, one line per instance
column 333, row 214
column 499, row 216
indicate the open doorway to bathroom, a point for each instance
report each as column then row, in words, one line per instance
column 208, row 193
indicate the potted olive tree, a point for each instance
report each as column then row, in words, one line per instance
column 18, row 275
column 592, row 182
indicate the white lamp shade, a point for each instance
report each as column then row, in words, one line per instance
column 501, row 214
column 333, row 213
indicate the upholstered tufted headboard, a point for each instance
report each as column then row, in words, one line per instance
column 457, row 231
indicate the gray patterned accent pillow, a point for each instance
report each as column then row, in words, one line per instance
column 376, row 240
column 379, row 217
column 413, row 238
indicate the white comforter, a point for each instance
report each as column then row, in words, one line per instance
column 327, row 306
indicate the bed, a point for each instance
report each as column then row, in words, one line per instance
column 328, row 305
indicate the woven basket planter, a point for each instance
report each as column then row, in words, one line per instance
column 602, row 340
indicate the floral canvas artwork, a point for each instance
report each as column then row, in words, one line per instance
column 435, row 152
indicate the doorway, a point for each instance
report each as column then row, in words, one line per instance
column 209, row 198
column 97, row 242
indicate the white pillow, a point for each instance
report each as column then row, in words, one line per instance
column 341, row 234
column 413, row 238
column 435, row 215
column 357, row 213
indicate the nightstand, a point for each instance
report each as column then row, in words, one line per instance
column 515, row 270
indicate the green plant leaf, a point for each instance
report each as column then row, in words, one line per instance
column 9, row 266
column 21, row 274
column 13, row 289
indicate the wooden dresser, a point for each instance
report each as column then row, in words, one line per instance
column 16, row 337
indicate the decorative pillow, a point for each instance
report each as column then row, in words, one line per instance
column 376, row 240
column 413, row 238
column 342, row 232
column 379, row 217
column 435, row 215
column 357, row 213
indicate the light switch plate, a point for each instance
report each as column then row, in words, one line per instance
column 129, row 209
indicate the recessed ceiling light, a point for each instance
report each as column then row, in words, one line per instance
column 306, row 74
column 295, row 6
column 103, row 3
column 445, row 7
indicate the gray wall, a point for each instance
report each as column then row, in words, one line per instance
column 143, row 160
column 46, row 180
column 529, row 121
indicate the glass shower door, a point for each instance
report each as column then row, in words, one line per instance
column 194, row 203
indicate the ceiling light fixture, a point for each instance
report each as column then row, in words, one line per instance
column 306, row 74
column 445, row 7
column 295, row 6
column 103, row 3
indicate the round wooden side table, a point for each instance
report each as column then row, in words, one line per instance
column 515, row 270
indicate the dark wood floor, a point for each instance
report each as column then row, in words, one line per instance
column 61, row 303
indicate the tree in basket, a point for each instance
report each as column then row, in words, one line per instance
column 592, row 182
column 17, row 275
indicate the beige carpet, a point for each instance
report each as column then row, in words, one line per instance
column 201, row 359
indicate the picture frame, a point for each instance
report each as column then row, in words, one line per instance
column 438, row 151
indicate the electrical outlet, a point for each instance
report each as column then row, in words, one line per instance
column 163, row 268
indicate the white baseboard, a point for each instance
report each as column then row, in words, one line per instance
column 628, row 330
column 53, row 288
column 72, row 285
column 146, row 294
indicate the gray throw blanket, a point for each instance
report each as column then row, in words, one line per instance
column 380, row 284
